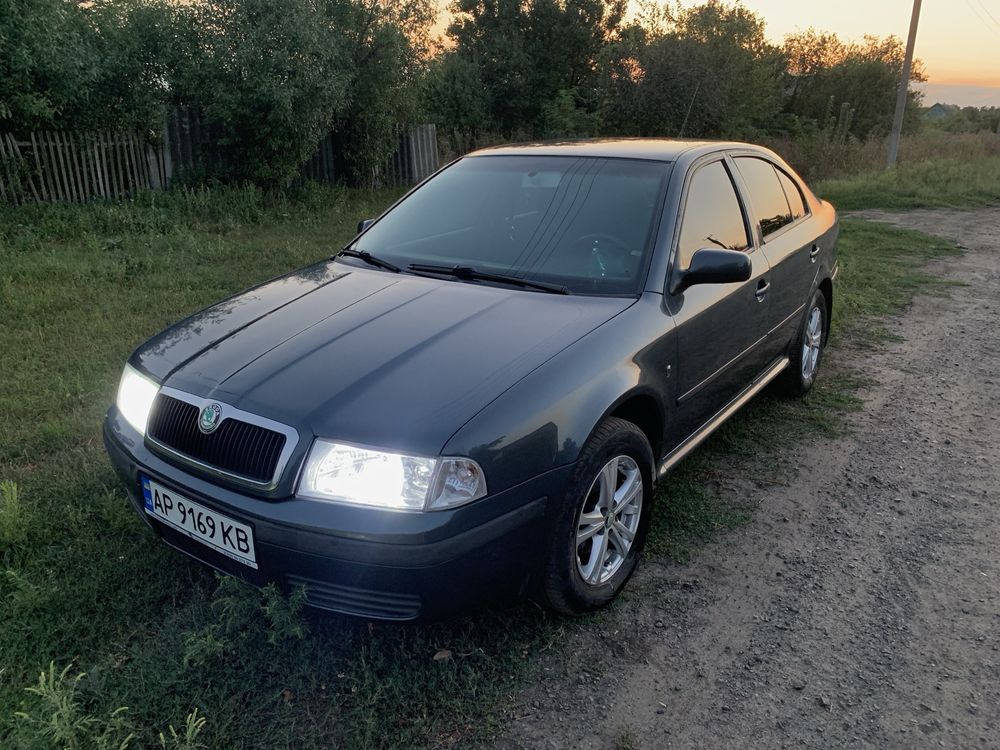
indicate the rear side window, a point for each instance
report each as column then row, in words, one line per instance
column 794, row 195
column 766, row 194
column 712, row 215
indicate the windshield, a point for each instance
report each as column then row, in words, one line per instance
column 581, row 222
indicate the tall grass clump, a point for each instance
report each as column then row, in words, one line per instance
column 12, row 515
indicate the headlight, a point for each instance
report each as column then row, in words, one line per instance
column 349, row 474
column 135, row 398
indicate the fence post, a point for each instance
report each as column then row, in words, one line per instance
column 152, row 166
column 166, row 158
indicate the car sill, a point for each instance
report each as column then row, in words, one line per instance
column 682, row 450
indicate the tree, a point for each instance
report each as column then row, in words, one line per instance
column 387, row 43
column 271, row 75
column 99, row 65
column 527, row 53
column 453, row 94
column 826, row 75
column 45, row 61
column 706, row 71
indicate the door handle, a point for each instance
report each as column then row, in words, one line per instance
column 762, row 287
column 814, row 253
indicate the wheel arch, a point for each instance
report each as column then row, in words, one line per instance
column 645, row 411
column 826, row 286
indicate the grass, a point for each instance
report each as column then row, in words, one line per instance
column 821, row 158
column 933, row 183
column 108, row 637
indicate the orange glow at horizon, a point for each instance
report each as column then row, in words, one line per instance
column 958, row 41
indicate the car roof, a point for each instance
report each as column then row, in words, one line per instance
column 657, row 149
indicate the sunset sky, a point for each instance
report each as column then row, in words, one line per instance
column 958, row 40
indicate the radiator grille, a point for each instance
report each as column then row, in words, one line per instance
column 235, row 447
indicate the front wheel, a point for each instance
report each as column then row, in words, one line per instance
column 807, row 348
column 601, row 522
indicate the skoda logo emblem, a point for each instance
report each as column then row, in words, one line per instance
column 209, row 418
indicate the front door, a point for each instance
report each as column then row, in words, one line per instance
column 720, row 327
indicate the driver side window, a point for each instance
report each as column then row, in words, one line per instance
column 712, row 215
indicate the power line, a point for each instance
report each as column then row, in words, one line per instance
column 996, row 23
column 994, row 27
column 987, row 10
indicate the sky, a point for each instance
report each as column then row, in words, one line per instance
column 958, row 40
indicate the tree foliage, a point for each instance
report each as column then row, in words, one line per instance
column 825, row 75
column 526, row 53
column 706, row 71
column 273, row 78
column 271, row 75
column 99, row 65
column 555, row 67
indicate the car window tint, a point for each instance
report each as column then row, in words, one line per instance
column 712, row 214
column 794, row 195
column 768, row 198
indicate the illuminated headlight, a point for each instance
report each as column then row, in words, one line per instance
column 135, row 398
column 349, row 474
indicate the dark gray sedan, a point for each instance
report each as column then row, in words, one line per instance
column 475, row 397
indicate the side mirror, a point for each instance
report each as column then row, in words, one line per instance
column 364, row 224
column 712, row 265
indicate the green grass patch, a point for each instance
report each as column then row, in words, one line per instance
column 933, row 183
column 119, row 637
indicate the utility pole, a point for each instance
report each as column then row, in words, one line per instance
column 904, row 86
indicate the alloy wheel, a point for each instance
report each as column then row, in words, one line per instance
column 812, row 344
column 609, row 520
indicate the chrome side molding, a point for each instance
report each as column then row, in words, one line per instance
column 699, row 436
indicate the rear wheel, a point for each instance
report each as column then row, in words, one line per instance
column 602, row 521
column 807, row 349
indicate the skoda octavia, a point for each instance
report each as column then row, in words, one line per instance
column 475, row 397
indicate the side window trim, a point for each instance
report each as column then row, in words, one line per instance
column 752, row 243
column 758, row 234
column 802, row 198
column 746, row 203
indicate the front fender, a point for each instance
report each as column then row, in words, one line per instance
column 545, row 419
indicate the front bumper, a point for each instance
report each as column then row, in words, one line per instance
column 366, row 562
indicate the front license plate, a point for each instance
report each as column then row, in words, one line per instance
column 232, row 538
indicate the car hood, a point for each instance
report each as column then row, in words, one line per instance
column 369, row 357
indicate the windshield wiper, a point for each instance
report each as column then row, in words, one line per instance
column 371, row 260
column 467, row 273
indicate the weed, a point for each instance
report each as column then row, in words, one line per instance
column 626, row 740
column 59, row 718
column 13, row 521
column 187, row 738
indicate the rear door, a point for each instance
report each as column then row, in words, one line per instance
column 720, row 327
column 780, row 222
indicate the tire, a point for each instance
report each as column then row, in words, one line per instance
column 806, row 351
column 581, row 576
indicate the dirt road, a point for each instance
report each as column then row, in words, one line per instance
column 861, row 606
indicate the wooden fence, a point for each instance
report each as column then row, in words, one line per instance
column 66, row 167
column 61, row 167
column 415, row 158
